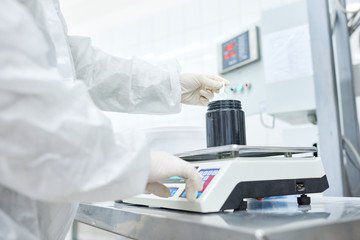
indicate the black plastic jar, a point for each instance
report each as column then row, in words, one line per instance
column 225, row 123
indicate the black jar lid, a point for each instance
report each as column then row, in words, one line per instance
column 224, row 104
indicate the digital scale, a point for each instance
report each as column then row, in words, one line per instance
column 234, row 172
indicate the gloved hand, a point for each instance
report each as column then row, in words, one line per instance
column 198, row 89
column 163, row 166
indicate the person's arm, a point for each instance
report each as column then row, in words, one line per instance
column 126, row 85
column 55, row 144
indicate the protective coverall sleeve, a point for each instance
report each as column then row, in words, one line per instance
column 55, row 144
column 126, row 85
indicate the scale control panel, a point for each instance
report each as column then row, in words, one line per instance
column 207, row 176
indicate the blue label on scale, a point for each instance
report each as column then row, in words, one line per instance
column 207, row 177
column 173, row 190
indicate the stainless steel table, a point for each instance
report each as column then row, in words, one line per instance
column 274, row 218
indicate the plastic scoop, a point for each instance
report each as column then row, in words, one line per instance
column 221, row 95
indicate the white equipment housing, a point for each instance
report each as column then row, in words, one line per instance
column 228, row 181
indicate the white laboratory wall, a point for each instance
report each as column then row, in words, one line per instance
column 189, row 31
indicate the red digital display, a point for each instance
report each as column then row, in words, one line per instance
column 232, row 54
column 229, row 47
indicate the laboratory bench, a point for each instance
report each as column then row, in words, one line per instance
column 272, row 218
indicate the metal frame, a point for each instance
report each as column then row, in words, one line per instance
column 326, row 95
column 348, row 113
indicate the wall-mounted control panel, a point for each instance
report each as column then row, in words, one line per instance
column 281, row 83
column 238, row 50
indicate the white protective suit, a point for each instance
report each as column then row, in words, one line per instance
column 55, row 145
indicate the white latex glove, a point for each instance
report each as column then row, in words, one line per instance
column 198, row 89
column 163, row 166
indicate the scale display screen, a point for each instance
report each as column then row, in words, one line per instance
column 207, row 176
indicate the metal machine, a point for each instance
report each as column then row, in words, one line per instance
column 303, row 76
column 270, row 62
column 232, row 173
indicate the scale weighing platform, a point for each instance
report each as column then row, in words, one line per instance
column 234, row 172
